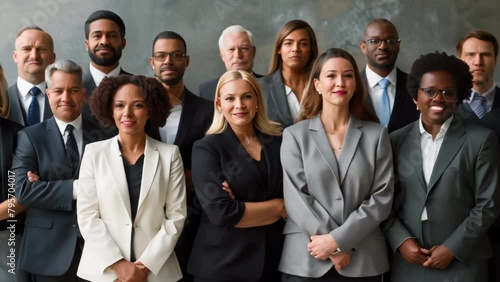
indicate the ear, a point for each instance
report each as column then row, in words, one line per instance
column 124, row 43
column 362, row 46
column 316, row 84
column 86, row 43
column 151, row 62
column 187, row 61
column 254, row 52
column 47, row 92
column 415, row 101
column 14, row 56
column 217, row 104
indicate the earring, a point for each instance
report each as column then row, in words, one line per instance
column 257, row 108
column 319, row 93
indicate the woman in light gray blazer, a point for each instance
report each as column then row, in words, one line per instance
column 338, row 180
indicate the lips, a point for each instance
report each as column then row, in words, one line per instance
column 240, row 115
column 168, row 69
column 128, row 123
column 437, row 109
column 340, row 92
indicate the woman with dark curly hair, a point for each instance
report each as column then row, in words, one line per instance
column 131, row 202
column 447, row 175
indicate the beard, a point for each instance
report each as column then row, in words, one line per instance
column 171, row 81
column 105, row 62
column 389, row 65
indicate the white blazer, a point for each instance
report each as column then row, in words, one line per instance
column 104, row 213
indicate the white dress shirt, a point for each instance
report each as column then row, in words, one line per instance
column 375, row 91
column 430, row 150
column 489, row 97
column 293, row 103
column 98, row 75
column 168, row 133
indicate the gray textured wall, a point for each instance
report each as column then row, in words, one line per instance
column 424, row 26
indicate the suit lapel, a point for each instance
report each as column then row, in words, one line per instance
column 452, row 143
column 496, row 100
column 151, row 158
column 319, row 137
column 352, row 136
column 47, row 111
column 412, row 154
column 399, row 99
column 114, row 162
column 16, row 113
column 278, row 96
column 367, row 99
column 187, row 114
column 55, row 136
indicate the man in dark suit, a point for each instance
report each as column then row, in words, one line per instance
column 393, row 106
column 34, row 52
column 188, row 121
column 237, row 51
column 479, row 49
column 104, row 41
column 46, row 163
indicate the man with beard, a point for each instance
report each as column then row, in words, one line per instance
column 34, row 51
column 386, row 84
column 189, row 119
column 104, row 41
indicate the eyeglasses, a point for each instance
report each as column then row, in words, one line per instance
column 377, row 42
column 449, row 95
column 176, row 56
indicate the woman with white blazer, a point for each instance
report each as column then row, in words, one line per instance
column 338, row 180
column 131, row 200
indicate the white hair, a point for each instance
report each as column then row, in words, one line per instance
column 234, row 29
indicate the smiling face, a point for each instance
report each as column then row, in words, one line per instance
column 238, row 53
column 336, row 82
column 130, row 110
column 171, row 70
column 295, row 49
column 34, row 52
column 66, row 95
column 480, row 56
column 238, row 103
column 437, row 110
column 105, row 43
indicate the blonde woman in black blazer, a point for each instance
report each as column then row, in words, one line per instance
column 237, row 177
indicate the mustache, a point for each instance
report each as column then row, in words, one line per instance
column 100, row 47
column 168, row 68
column 40, row 61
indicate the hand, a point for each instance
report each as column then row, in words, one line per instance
column 322, row 246
column 438, row 257
column 411, row 251
column 225, row 187
column 129, row 272
column 340, row 260
column 33, row 177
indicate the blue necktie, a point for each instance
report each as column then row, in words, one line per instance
column 72, row 154
column 34, row 108
column 385, row 108
column 477, row 105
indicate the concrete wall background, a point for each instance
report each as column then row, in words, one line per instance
column 424, row 26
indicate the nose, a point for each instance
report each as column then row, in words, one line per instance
column 383, row 45
column 340, row 81
column 104, row 40
column 239, row 104
column 237, row 53
column 127, row 111
column 35, row 53
column 478, row 60
column 296, row 47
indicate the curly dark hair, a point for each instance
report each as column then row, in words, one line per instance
column 155, row 95
column 441, row 62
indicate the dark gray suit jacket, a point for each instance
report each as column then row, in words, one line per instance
column 17, row 113
column 207, row 89
column 274, row 94
column 462, row 200
column 404, row 110
column 50, row 236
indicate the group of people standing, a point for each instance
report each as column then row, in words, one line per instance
column 317, row 171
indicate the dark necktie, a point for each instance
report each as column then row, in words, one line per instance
column 72, row 154
column 385, row 107
column 34, row 108
column 477, row 105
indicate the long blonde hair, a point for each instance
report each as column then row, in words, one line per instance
column 4, row 100
column 260, row 121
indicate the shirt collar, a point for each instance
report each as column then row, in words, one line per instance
column 76, row 123
column 24, row 86
column 487, row 95
column 99, row 75
column 373, row 78
column 288, row 91
column 442, row 131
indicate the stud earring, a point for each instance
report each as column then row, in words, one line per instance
column 319, row 93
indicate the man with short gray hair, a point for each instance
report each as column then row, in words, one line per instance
column 237, row 51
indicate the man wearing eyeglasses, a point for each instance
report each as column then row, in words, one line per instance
column 104, row 41
column 189, row 119
column 385, row 84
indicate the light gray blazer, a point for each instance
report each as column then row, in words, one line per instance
column 347, row 198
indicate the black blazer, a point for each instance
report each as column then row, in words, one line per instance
column 207, row 89
column 404, row 110
column 89, row 83
column 51, row 224
column 196, row 118
column 8, row 131
column 17, row 113
column 222, row 251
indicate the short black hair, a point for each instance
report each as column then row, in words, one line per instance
column 458, row 69
column 104, row 14
column 155, row 95
column 168, row 34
